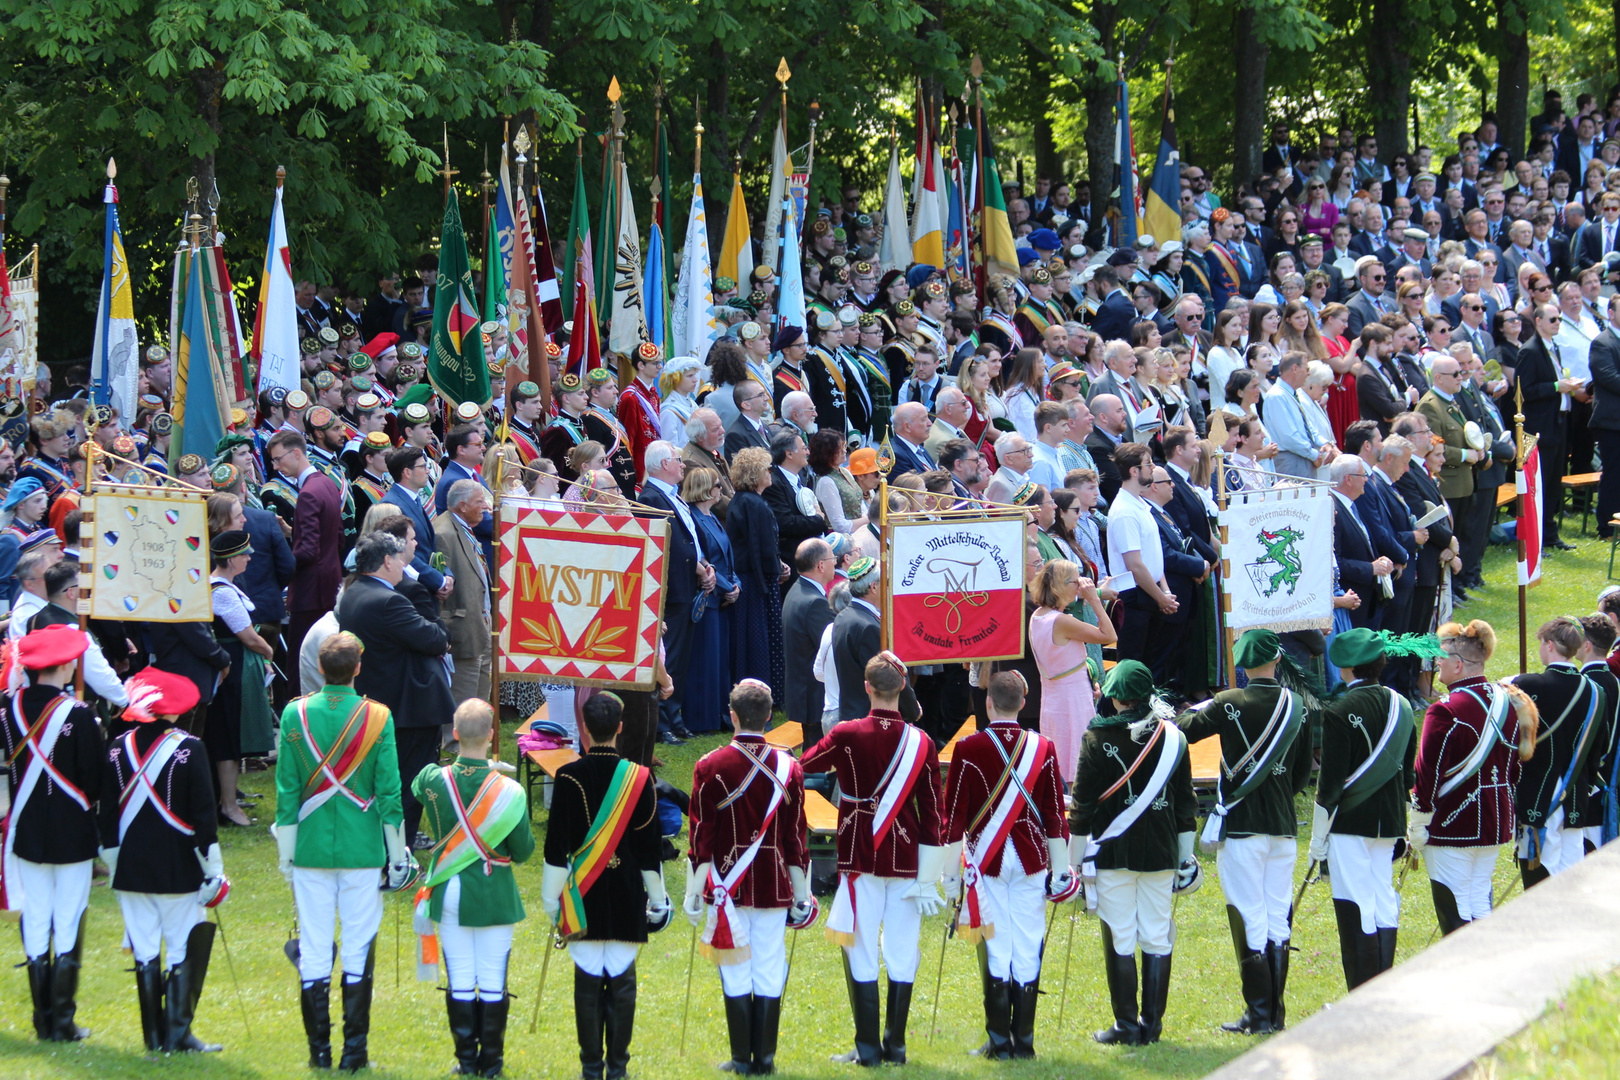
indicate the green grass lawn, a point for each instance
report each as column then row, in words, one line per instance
column 255, row 1013
column 1577, row 1038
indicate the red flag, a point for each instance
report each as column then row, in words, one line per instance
column 543, row 267
column 584, row 346
column 1528, row 483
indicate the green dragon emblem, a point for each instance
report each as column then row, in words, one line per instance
column 1281, row 552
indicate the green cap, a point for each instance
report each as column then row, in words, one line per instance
column 1355, row 647
column 1130, row 680
column 1256, row 648
column 420, row 393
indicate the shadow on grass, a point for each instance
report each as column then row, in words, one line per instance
column 28, row 1058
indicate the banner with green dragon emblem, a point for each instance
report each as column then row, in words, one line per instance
column 1279, row 559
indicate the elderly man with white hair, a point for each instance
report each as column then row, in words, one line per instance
column 1360, row 565
column 1017, row 458
column 467, row 611
column 798, row 414
column 951, row 412
column 705, row 435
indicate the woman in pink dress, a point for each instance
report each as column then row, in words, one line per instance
column 1059, row 644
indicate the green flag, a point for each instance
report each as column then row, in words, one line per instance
column 455, row 364
column 494, row 274
column 578, row 256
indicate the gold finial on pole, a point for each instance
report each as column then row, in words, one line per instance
column 614, row 93
column 697, row 152
column 281, row 175
column 112, row 169
column 446, row 171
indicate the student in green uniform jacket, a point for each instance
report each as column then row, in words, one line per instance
column 336, row 829
column 482, row 828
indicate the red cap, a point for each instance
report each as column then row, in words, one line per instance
column 154, row 692
column 51, row 647
column 374, row 348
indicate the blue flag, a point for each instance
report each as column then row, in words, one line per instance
column 199, row 418
column 652, row 287
column 1130, row 203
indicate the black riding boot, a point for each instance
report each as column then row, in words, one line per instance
column 894, row 1022
column 863, row 1003
column 1445, row 909
column 1532, row 876
column 997, row 1012
column 1277, row 960
column 1386, row 947
column 65, row 992
column 39, row 985
column 463, row 1016
column 357, row 1015
column 1155, row 992
column 737, row 1031
column 149, row 992
column 620, row 1012
column 492, row 1035
column 315, row 1001
column 1255, row 975
column 765, row 1019
column 1024, row 996
column 589, row 1013
column 1121, row 973
column 180, row 994
column 1357, row 951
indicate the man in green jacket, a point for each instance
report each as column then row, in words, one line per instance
column 338, row 824
column 481, row 822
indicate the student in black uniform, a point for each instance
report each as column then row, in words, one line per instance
column 54, row 748
column 172, row 867
column 1599, row 637
column 1368, row 754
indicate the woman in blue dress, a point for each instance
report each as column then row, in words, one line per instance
column 708, row 671
column 756, row 637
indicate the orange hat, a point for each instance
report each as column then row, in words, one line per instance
column 863, row 461
column 154, row 693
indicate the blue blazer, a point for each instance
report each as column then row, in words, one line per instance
column 908, row 460
column 271, row 568
column 426, row 545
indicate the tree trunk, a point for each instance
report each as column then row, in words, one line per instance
column 1248, row 97
column 1101, row 96
column 1389, row 72
column 207, row 82
column 717, row 103
column 1513, row 76
column 1048, row 163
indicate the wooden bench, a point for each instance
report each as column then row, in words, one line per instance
column 1505, row 494
column 968, row 727
column 538, row 767
column 1582, row 488
column 788, row 735
column 1206, row 763
column 821, row 821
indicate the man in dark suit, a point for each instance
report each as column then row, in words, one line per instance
column 1368, row 304
column 464, row 456
column 789, row 459
column 1186, row 509
column 687, row 573
column 1604, row 358
column 1601, row 236
column 911, row 425
column 1108, row 430
column 409, row 467
column 317, row 537
column 404, row 665
column 805, row 614
column 1311, row 252
column 857, row 637
column 748, row 429
column 1184, row 571
column 1474, row 533
column 1114, row 318
column 1414, row 251
column 1471, row 317
column 1360, row 565
column 1421, row 494
column 1380, row 390
column 1546, row 413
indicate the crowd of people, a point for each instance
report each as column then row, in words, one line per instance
column 1365, row 325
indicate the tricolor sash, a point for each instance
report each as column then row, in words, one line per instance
column 142, row 786
column 1496, row 711
column 496, row 808
column 872, row 369
column 1175, row 745
column 39, row 740
column 335, row 767
column 1274, row 741
column 725, row 937
column 587, row 863
column 1385, row 759
column 789, row 378
column 893, row 789
column 998, row 815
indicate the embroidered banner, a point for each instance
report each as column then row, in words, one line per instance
column 146, row 555
column 1279, row 554
column 957, row 589
column 581, row 596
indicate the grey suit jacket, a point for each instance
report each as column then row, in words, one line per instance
column 805, row 614
column 463, row 610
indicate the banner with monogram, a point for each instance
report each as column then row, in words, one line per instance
column 581, row 595
column 145, row 555
column 956, row 589
column 1279, row 559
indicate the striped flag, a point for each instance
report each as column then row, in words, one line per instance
column 1162, row 215
column 115, row 356
column 894, row 252
column 200, row 413
column 927, row 231
column 652, row 286
column 737, row 250
column 275, row 326
column 693, row 324
column 1528, row 484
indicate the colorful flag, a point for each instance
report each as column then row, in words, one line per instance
column 652, row 286
column 275, row 326
column 781, row 172
column 997, row 249
column 455, row 364
column 602, row 289
column 790, row 292
column 536, row 231
column 225, row 322
column 1162, row 215
column 578, row 267
column 1130, row 201
column 927, row 231
column 115, row 356
column 956, row 239
column 512, row 260
column 494, row 273
column 693, row 323
column 200, row 413
column 1528, row 485
column 894, row 252
column 737, row 251
column 584, row 344
column 627, row 308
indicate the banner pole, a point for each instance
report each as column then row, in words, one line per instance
column 885, row 462
column 1223, row 611
column 1520, row 452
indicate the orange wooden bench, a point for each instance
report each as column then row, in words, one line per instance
column 1582, row 488
column 538, row 766
column 788, row 735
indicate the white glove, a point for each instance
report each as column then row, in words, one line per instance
column 286, row 845
column 1057, row 850
column 1321, row 821
column 1077, row 855
column 692, row 905
column 213, row 864
column 659, row 906
column 109, row 855
column 928, row 899
column 1417, row 829
column 1187, row 868
column 551, row 890
column 952, row 877
column 800, row 879
column 400, row 863
column 930, row 865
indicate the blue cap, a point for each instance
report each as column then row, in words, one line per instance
column 919, row 274
column 1027, row 256
column 20, row 491
column 1044, row 240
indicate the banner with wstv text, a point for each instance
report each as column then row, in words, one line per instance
column 1279, row 554
column 956, row 590
column 582, row 595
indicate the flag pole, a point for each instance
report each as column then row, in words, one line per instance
column 1521, row 451
column 539, row 369
column 981, row 273
column 486, row 185
column 104, row 384
column 447, row 172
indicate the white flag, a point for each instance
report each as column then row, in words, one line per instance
column 693, row 324
column 895, row 251
column 627, row 311
column 275, row 328
column 790, row 293
column 115, row 356
column 781, row 169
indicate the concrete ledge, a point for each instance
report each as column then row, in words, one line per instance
column 1431, row 1017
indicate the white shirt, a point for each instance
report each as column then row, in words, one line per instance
column 682, row 511
column 1131, row 528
